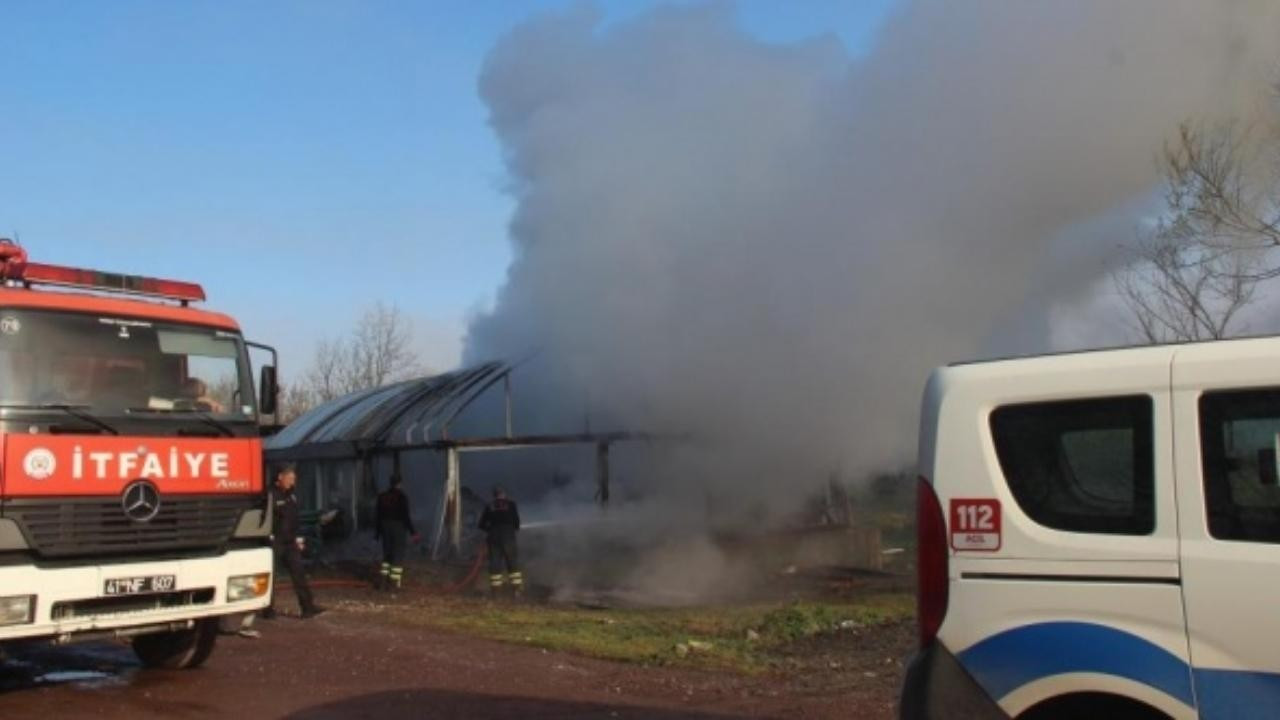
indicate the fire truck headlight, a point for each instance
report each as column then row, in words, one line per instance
column 17, row 609
column 248, row 587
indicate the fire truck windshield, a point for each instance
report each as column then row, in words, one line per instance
column 114, row 366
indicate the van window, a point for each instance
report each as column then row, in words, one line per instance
column 1080, row 465
column 1238, row 431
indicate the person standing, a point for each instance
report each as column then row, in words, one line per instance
column 501, row 521
column 287, row 543
column 394, row 525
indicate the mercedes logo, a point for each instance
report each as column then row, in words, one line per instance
column 140, row 501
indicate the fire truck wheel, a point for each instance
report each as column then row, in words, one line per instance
column 179, row 650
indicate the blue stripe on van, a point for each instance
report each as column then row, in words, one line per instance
column 1005, row 662
column 1237, row 693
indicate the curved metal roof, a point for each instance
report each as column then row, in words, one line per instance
column 411, row 413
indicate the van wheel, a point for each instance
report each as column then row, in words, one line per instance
column 178, row 649
column 1083, row 705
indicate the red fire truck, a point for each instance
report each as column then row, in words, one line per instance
column 132, row 500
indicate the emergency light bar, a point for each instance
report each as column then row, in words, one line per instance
column 14, row 267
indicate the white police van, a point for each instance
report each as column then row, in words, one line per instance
column 1100, row 536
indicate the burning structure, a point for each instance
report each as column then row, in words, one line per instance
column 421, row 429
column 347, row 449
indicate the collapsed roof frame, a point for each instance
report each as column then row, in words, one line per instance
column 403, row 416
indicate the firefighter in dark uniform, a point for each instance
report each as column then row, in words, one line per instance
column 287, row 543
column 501, row 521
column 393, row 527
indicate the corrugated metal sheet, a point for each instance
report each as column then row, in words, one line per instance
column 412, row 413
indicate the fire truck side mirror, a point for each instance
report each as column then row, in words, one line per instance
column 268, row 389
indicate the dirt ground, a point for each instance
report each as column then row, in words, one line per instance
column 347, row 664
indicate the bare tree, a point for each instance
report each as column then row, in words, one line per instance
column 1223, row 193
column 377, row 351
column 1180, row 291
column 1193, row 274
column 295, row 400
column 225, row 390
column 327, row 379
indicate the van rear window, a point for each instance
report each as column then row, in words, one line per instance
column 1238, row 440
column 1080, row 465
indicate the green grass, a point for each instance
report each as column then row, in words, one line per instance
column 711, row 637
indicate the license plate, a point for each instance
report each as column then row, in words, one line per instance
column 140, row 585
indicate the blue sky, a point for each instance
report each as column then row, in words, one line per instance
column 302, row 160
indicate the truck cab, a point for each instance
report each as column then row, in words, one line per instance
column 132, row 498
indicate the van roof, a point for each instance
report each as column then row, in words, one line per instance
column 1119, row 352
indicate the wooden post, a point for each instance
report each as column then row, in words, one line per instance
column 602, row 473
column 506, row 387
column 360, row 481
column 455, row 498
column 443, row 518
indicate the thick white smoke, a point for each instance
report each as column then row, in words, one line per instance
column 768, row 246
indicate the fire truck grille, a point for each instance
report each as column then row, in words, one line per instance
column 121, row 606
column 66, row 528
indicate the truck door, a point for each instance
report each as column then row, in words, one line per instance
column 1227, row 427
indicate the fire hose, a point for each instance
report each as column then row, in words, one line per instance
column 471, row 575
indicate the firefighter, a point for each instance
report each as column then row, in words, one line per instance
column 288, row 544
column 394, row 526
column 501, row 521
column 194, row 394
